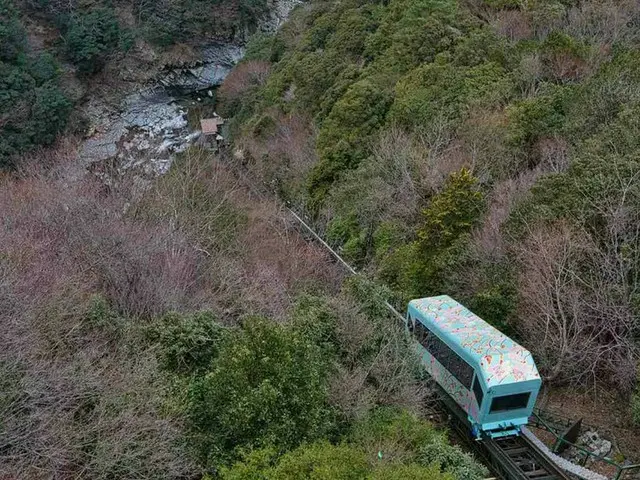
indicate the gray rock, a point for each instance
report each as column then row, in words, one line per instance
column 217, row 61
column 144, row 132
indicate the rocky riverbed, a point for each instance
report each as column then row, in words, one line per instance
column 139, row 135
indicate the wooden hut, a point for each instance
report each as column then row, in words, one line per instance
column 211, row 131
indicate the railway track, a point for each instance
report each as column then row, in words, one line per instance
column 517, row 458
column 510, row 458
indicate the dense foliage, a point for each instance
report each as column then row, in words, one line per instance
column 266, row 387
column 387, row 444
column 143, row 345
column 486, row 150
column 33, row 109
column 169, row 21
column 267, row 399
column 92, row 35
column 162, row 22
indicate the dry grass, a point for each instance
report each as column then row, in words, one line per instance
column 82, row 396
column 76, row 400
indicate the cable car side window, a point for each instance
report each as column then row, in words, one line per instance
column 420, row 333
column 510, row 402
column 477, row 391
column 461, row 370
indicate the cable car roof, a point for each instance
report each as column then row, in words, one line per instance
column 499, row 358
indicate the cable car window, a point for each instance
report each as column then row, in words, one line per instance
column 439, row 350
column 421, row 333
column 460, row 369
column 510, row 402
column 477, row 391
column 449, row 359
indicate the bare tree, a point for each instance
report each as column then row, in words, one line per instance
column 575, row 311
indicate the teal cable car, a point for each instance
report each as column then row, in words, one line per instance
column 489, row 376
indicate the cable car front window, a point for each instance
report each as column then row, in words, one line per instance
column 510, row 402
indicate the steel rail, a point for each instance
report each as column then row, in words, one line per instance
column 516, row 457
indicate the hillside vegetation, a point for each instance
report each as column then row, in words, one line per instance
column 194, row 335
column 483, row 149
column 33, row 109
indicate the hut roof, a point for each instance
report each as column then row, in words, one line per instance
column 210, row 126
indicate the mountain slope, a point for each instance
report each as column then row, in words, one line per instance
column 484, row 149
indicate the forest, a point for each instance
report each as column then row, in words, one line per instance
column 484, row 149
column 188, row 338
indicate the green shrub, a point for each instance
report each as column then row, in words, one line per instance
column 583, row 193
column 266, row 387
column 496, row 304
column 483, row 46
column 635, row 407
column 13, row 38
column 44, row 68
column 315, row 318
column 387, row 444
column 352, row 29
column 443, row 92
column 347, row 77
column 412, row 471
column 352, row 239
column 411, row 33
column 451, row 459
column 547, row 13
column 50, row 112
column 388, row 236
column 33, row 109
column 599, row 99
column 416, row 41
column 322, row 461
column 451, row 213
column 188, row 343
column 91, row 36
column 424, row 266
column 188, row 21
column 325, row 322
column 394, row 432
column 310, row 75
column 401, row 437
column 503, row 4
column 535, row 118
column 558, row 42
column 101, row 317
column 343, row 140
column 264, row 47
